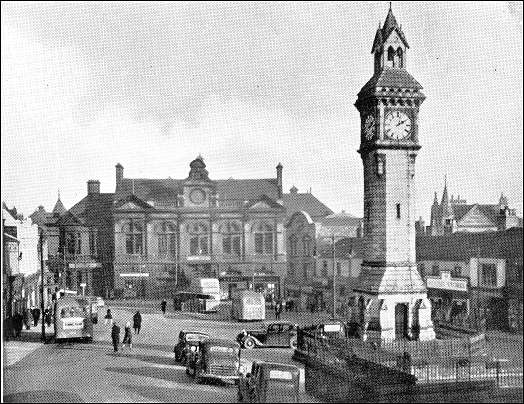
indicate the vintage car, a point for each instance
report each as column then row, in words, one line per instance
column 329, row 330
column 217, row 359
column 276, row 334
column 270, row 383
column 187, row 341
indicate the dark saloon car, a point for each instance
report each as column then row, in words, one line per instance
column 217, row 359
column 270, row 383
column 187, row 342
column 276, row 334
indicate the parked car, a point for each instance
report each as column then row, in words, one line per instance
column 275, row 334
column 328, row 330
column 217, row 359
column 270, row 383
column 187, row 342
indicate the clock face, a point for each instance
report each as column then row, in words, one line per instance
column 397, row 125
column 197, row 196
column 369, row 127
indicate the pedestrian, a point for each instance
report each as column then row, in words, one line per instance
column 163, row 306
column 108, row 317
column 26, row 316
column 115, row 336
column 127, row 336
column 278, row 310
column 18, row 324
column 47, row 316
column 137, row 322
column 36, row 316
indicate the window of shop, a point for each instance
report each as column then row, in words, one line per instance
column 199, row 239
column 264, row 239
column 435, row 270
column 133, row 232
column 232, row 239
column 456, row 271
column 489, row 275
column 74, row 242
column 293, row 242
column 166, row 240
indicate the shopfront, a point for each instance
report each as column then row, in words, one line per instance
column 449, row 297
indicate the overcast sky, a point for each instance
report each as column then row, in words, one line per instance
column 248, row 85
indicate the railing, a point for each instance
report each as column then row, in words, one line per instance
column 436, row 361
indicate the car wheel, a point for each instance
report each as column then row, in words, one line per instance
column 293, row 343
column 249, row 343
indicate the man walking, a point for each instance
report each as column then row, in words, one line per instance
column 163, row 306
column 115, row 336
column 278, row 310
column 137, row 322
column 36, row 316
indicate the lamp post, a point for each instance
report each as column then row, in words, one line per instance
column 42, row 282
column 334, row 274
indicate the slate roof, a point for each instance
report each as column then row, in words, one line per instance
column 506, row 244
column 168, row 189
column 59, row 207
column 340, row 219
column 295, row 202
column 391, row 77
column 94, row 209
column 344, row 248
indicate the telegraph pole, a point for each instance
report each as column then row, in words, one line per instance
column 334, row 276
column 42, row 309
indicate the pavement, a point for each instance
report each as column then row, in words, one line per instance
column 92, row 372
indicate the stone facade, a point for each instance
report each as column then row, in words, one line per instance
column 169, row 231
column 391, row 294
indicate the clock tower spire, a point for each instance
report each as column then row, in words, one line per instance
column 392, row 298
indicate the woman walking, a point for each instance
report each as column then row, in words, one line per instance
column 127, row 336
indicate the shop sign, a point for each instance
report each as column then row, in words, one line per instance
column 447, row 282
column 134, row 274
column 86, row 265
column 198, row 258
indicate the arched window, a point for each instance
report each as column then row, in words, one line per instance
column 391, row 55
column 400, row 57
column 264, row 239
column 133, row 233
column 232, row 238
column 293, row 242
column 199, row 239
column 166, row 240
column 306, row 246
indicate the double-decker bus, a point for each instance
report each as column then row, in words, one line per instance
column 73, row 318
column 248, row 305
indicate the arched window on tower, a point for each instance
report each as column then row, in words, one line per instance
column 391, row 56
column 400, row 58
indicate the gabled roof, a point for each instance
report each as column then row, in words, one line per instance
column 247, row 189
column 266, row 200
column 391, row 78
column 506, row 244
column 134, row 200
column 295, row 202
column 69, row 219
column 490, row 211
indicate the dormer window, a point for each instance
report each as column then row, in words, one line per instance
column 400, row 58
column 391, row 56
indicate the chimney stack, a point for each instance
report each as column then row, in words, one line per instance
column 279, row 180
column 93, row 187
column 119, row 176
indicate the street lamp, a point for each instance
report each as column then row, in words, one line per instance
column 42, row 282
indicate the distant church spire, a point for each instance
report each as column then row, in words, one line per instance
column 59, row 206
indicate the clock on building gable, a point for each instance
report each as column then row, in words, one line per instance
column 398, row 125
column 197, row 196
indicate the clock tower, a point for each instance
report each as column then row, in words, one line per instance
column 392, row 298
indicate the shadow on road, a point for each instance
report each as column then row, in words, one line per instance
column 169, row 374
column 155, row 347
column 160, row 360
column 165, row 394
column 43, row 396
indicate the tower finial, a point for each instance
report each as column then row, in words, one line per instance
column 58, row 193
column 389, row 6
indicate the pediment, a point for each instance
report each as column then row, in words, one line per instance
column 260, row 205
column 130, row 206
